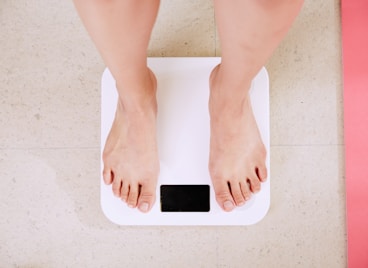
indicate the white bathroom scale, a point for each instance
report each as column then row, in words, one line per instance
column 184, row 194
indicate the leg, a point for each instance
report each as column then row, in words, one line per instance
column 249, row 31
column 121, row 32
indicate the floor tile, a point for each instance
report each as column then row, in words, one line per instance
column 305, row 226
column 50, row 77
column 184, row 29
column 53, row 218
column 50, row 90
column 305, row 78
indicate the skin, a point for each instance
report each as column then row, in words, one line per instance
column 121, row 31
column 249, row 31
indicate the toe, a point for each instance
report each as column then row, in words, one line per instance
column 262, row 173
column 133, row 195
column 255, row 184
column 116, row 187
column 223, row 195
column 124, row 191
column 244, row 186
column 107, row 176
column 237, row 193
column 146, row 197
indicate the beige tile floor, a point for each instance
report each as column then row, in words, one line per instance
column 49, row 146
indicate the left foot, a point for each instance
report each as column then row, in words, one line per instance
column 130, row 156
column 237, row 153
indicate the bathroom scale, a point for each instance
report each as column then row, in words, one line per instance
column 184, row 193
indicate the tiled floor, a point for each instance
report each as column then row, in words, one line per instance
column 49, row 146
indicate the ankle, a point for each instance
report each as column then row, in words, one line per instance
column 227, row 92
column 138, row 104
column 235, row 72
column 229, row 79
column 138, row 94
column 133, row 78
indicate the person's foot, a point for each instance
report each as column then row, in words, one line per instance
column 130, row 155
column 237, row 153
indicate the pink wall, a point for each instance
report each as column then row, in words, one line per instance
column 355, row 71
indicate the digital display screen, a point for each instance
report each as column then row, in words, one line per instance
column 185, row 198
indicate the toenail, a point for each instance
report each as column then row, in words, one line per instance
column 228, row 205
column 241, row 204
column 144, row 207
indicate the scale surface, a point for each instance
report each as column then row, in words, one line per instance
column 183, row 139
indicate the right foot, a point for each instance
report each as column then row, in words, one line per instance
column 237, row 154
column 130, row 155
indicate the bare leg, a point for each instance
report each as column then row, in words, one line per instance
column 249, row 32
column 121, row 31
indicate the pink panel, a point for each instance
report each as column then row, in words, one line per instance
column 355, row 70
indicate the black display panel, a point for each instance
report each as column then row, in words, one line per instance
column 185, row 198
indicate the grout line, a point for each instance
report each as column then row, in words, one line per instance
column 307, row 145
column 98, row 148
column 47, row 148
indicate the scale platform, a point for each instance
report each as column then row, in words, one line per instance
column 183, row 133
